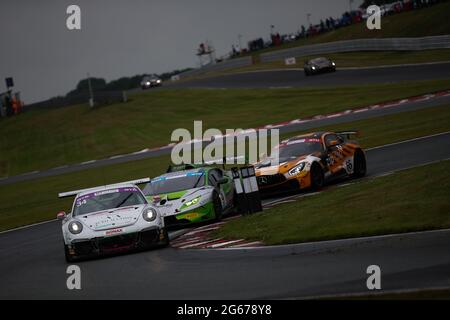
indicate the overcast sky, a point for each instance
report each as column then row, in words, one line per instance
column 123, row 38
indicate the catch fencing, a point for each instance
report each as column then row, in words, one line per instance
column 378, row 44
column 386, row 44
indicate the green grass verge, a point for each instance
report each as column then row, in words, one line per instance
column 39, row 140
column 410, row 200
column 36, row 200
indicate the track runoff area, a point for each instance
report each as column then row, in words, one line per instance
column 255, row 256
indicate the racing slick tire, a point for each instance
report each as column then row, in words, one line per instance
column 217, row 207
column 359, row 164
column 166, row 242
column 68, row 257
column 317, row 177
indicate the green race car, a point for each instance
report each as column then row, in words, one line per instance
column 192, row 194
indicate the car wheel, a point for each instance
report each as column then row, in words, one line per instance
column 317, row 177
column 359, row 163
column 217, row 207
column 166, row 241
column 69, row 258
column 236, row 207
column 307, row 72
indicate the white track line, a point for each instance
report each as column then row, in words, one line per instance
column 409, row 140
column 247, row 244
column 28, row 226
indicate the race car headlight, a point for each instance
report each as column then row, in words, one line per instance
column 314, row 68
column 191, row 202
column 75, row 227
column 147, row 83
column 159, row 81
column 149, row 214
column 296, row 170
column 333, row 64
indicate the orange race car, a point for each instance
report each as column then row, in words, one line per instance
column 310, row 161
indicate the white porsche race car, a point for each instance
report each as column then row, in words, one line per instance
column 110, row 219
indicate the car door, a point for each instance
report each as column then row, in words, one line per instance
column 335, row 157
column 225, row 192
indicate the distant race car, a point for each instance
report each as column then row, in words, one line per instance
column 150, row 81
column 110, row 219
column 319, row 65
column 310, row 161
column 192, row 194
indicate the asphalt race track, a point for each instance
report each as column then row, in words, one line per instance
column 409, row 106
column 347, row 76
column 33, row 265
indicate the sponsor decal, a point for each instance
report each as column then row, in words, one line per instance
column 113, row 231
column 83, row 199
column 191, row 215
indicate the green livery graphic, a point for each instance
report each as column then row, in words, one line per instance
column 192, row 194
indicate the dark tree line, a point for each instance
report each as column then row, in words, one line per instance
column 121, row 84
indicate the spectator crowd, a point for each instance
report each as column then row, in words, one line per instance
column 329, row 24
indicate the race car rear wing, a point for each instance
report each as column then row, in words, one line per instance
column 75, row 192
column 348, row 134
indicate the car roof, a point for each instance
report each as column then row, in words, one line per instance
column 103, row 188
column 318, row 59
column 151, row 76
column 184, row 172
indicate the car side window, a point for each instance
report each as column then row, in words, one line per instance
column 214, row 176
column 332, row 137
column 212, row 179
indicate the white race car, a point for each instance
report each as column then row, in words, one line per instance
column 110, row 219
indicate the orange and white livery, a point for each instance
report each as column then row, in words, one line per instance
column 310, row 161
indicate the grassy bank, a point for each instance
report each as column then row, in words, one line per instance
column 430, row 21
column 411, row 200
column 36, row 200
column 39, row 140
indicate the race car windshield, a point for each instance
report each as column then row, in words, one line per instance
column 107, row 200
column 294, row 149
column 165, row 185
column 319, row 60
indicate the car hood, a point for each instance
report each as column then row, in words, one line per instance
column 264, row 167
column 110, row 219
column 170, row 203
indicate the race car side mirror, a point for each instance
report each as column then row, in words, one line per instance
column 61, row 215
column 332, row 143
column 223, row 180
